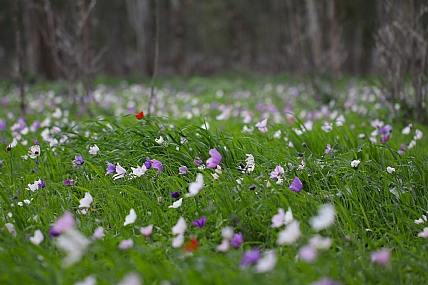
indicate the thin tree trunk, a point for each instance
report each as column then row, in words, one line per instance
column 314, row 32
column 20, row 54
column 152, row 104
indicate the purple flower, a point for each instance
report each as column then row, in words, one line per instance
column 42, row 184
column 403, row 149
column 2, row 125
column 250, row 257
column 69, row 182
column 386, row 130
column 215, row 158
column 296, row 185
column 198, row 161
column 183, row 169
column 277, row 172
column 34, row 170
column 35, row 125
column 236, row 240
column 199, row 222
column 328, row 149
column 111, row 168
column 36, row 142
column 16, row 196
column 1, row 162
column 157, row 165
column 253, row 187
column 62, row 224
column 148, row 164
column 383, row 139
column 176, row 194
column 79, row 160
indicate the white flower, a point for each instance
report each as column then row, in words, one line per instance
column 34, row 151
column 196, row 186
column 224, row 246
column 13, row 144
column 35, row 186
column 227, row 233
column 325, row 218
column 178, row 241
column 282, row 218
column 267, row 262
column 160, row 140
column 131, row 218
column 74, row 243
column 89, row 280
column 94, row 149
column 424, row 233
column 10, row 228
column 130, row 279
column 421, row 220
column 176, row 204
column 290, row 234
column 407, row 129
column 86, row 201
column 120, row 172
column 320, row 242
column 327, row 127
column 139, row 171
column 355, row 163
column 180, row 227
column 418, row 134
column 37, row 238
column 390, row 169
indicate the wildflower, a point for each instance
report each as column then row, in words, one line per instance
column 62, row 224
column 197, row 161
column 182, row 169
column 390, row 169
column 320, row 242
column 156, row 164
column 224, row 246
column 126, row 243
column 94, row 149
column 250, row 163
column 403, row 149
column 195, row 187
column 148, row 163
column 98, row 233
column 277, row 172
column 296, row 185
column 227, row 233
column 236, row 240
column 89, row 280
column 120, row 172
column 130, row 279
column 418, row 135
column 381, row 256
column 215, row 158
column 192, row 245
column 328, row 149
column 267, row 262
column 139, row 171
column 325, row 218
column 199, row 222
column 307, row 253
column 35, row 186
column 74, row 243
column 250, row 257
column 421, row 220
column 282, row 218
column 13, row 144
column 160, row 140
column 176, row 204
column 10, row 228
column 178, row 241
column 327, row 127
column 262, row 126
column 252, row 187
column 290, row 234
column 424, row 233
column 407, row 129
column 130, row 219
column 355, row 163
column 86, row 201
column 34, row 151
column 79, row 160
column 146, row 231
column 41, row 184
column 180, row 227
column 176, row 194
column 111, row 168
column 69, row 182
column 37, row 238
column 140, row 115
column 302, row 165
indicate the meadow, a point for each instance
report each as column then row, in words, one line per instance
column 234, row 180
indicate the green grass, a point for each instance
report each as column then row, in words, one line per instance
column 369, row 216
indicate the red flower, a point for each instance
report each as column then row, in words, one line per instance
column 192, row 245
column 139, row 116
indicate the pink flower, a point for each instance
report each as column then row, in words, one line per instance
column 307, row 253
column 146, row 231
column 277, row 172
column 424, row 233
column 98, row 233
column 262, row 126
column 63, row 224
column 126, row 243
column 215, row 158
column 381, row 256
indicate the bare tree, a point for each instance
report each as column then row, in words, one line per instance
column 20, row 54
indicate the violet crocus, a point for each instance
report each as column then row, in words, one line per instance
column 198, row 161
column 156, row 164
column 403, row 149
column 328, row 149
column 79, row 160
column 148, row 163
column 62, row 224
column 176, row 194
column 250, row 257
column 69, row 182
column 111, row 168
column 182, row 169
column 215, row 158
column 296, row 185
column 199, row 222
column 236, row 240
column 42, row 184
column 2, row 125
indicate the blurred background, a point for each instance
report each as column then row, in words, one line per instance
column 81, row 39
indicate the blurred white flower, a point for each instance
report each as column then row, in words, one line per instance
column 74, row 243
column 131, row 218
column 355, row 163
column 390, row 169
column 37, row 238
column 290, row 234
column 86, row 201
column 89, row 280
column 325, row 218
column 267, row 262
column 94, row 149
